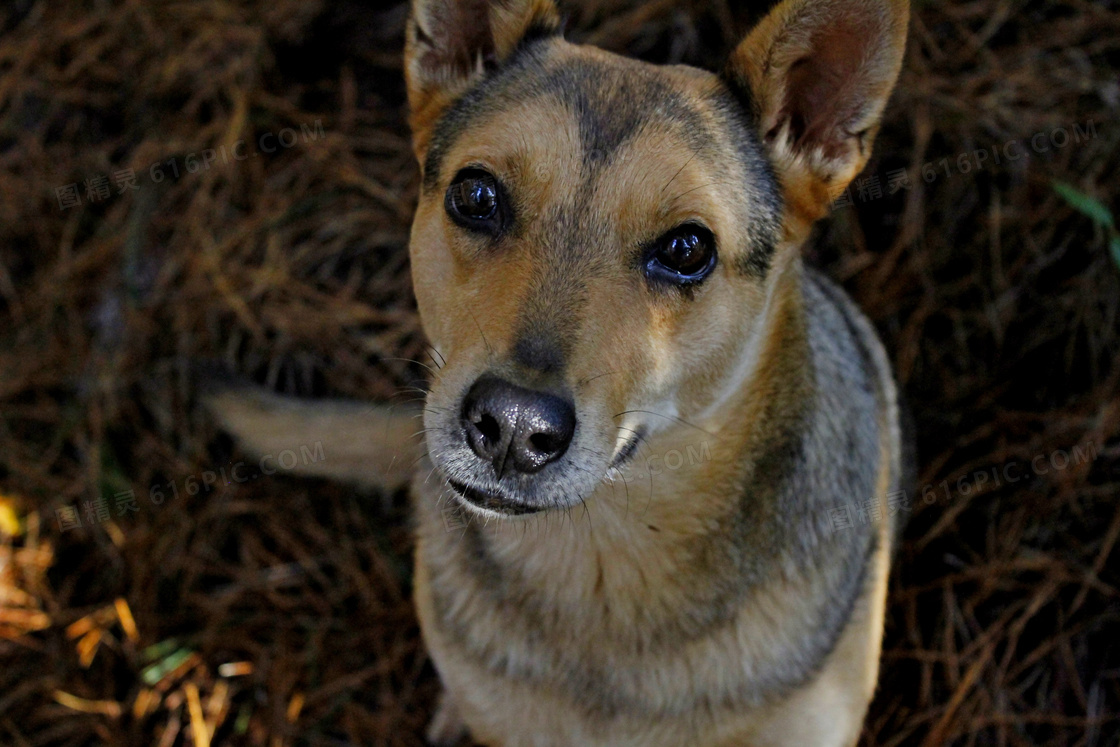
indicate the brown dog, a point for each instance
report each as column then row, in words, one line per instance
column 606, row 255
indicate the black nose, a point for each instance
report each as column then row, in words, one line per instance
column 514, row 427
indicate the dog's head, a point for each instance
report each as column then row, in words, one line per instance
column 598, row 240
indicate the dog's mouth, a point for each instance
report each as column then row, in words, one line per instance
column 493, row 501
column 490, row 500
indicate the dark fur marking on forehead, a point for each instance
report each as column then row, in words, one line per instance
column 611, row 103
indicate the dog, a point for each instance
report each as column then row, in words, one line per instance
column 606, row 258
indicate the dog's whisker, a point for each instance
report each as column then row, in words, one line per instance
column 413, row 360
column 702, row 186
column 429, row 477
column 674, row 418
column 485, row 342
column 589, row 379
column 681, row 169
column 442, row 361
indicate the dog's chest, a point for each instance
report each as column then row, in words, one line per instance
column 637, row 628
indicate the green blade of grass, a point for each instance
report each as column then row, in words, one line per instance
column 159, row 650
column 156, row 672
column 1084, row 204
column 241, row 726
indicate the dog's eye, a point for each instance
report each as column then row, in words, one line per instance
column 474, row 201
column 684, row 256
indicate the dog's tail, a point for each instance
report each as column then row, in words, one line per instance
column 369, row 444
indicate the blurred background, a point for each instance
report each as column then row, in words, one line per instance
column 185, row 181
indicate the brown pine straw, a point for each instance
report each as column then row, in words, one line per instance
column 276, row 611
column 199, row 729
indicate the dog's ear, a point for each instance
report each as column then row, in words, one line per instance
column 451, row 44
column 817, row 75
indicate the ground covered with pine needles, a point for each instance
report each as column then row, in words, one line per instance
column 218, row 180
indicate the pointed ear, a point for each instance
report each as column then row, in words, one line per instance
column 817, row 74
column 451, row 44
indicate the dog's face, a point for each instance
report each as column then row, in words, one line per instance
column 590, row 246
column 598, row 240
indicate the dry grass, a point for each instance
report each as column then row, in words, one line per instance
column 276, row 611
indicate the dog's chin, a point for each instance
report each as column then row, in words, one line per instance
column 489, row 502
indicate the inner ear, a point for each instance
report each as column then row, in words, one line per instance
column 820, row 101
column 451, row 44
column 817, row 75
column 453, row 39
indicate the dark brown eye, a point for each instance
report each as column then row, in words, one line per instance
column 474, row 201
column 683, row 256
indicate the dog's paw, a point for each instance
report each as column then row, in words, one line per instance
column 446, row 728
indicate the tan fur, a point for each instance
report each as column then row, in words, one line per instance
column 604, row 620
column 367, row 444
